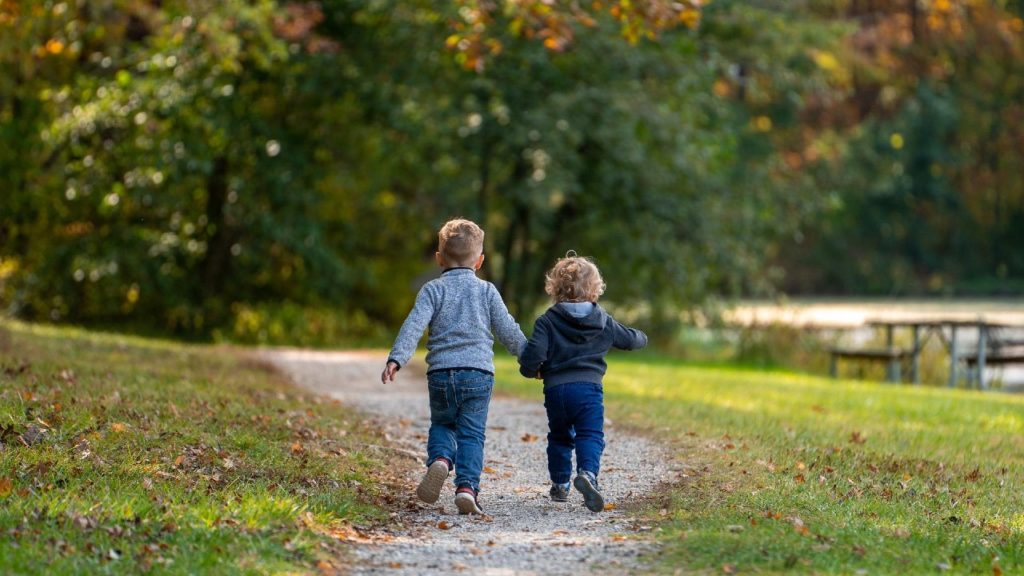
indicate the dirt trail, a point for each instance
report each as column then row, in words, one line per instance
column 523, row 532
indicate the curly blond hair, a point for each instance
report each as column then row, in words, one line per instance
column 574, row 279
column 460, row 242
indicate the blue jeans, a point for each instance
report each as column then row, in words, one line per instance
column 575, row 422
column 458, row 420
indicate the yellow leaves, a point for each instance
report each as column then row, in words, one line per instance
column 610, row 506
column 8, row 267
column 133, row 294
column 54, row 47
column 762, row 123
column 722, row 88
column 896, row 141
column 826, row 60
column 528, row 438
column 690, row 17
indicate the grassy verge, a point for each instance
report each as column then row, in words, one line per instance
column 793, row 473
column 127, row 455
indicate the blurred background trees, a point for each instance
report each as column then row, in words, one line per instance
column 266, row 170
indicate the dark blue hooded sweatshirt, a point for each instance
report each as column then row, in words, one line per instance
column 567, row 346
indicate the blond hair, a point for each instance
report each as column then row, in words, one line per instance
column 460, row 242
column 574, row 279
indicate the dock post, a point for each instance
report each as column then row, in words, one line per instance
column 892, row 371
column 915, row 357
column 982, row 338
column 952, row 356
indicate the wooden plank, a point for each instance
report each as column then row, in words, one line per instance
column 995, row 359
column 868, row 354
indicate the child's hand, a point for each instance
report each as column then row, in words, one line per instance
column 389, row 372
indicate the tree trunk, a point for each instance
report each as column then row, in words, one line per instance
column 216, row 264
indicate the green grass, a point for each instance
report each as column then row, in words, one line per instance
column 794, row 473
column 122, row 455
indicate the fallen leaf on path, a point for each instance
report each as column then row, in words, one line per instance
column 489, row 470
column 610, row 506
column 799, row 478
column 296, row 448
column 618, row 538
column 528, row 437
column 444, row 525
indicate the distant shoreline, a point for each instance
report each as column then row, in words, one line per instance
column 838, row 313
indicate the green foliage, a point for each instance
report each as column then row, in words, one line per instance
column 176, row 165
column 791, row 473
column 121, row 455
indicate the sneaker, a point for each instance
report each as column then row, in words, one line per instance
column 560, row 492
column 429, row 489
column 586, row 483
column 465, row 501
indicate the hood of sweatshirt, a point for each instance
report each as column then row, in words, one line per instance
column 576, row 328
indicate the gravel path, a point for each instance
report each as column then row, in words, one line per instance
column 523, row 532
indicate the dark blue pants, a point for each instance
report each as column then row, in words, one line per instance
column 458, row 419
column 575, row 422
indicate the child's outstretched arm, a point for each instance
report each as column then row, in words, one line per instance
column 536, row 351
column 504, row 325
column 409, row 335
column 626, row 338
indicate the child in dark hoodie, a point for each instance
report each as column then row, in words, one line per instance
column 567, row 351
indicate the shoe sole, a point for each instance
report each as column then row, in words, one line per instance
column 467, row 504
column 429, row 489
column 591, row 497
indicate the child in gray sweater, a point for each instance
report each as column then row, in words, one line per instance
column 461, row 312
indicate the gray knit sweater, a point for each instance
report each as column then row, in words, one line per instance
column 461, row 311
